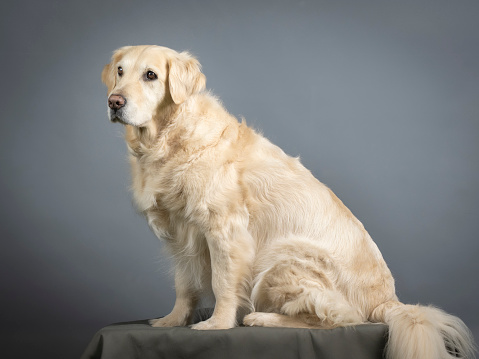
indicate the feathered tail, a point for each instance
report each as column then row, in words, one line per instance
column 419, row 332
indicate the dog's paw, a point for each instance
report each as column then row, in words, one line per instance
column 167, row 321
column 211, row 324
column 257, row 319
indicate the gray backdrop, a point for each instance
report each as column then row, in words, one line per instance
column 379, row 98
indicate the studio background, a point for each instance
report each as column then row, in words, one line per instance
column 380, row 99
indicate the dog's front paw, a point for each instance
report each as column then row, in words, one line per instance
column 168, row 321
column 211, row 324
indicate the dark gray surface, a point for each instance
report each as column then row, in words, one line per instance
column 379, row 98
column 140, row 340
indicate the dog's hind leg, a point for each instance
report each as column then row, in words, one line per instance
column 311, row 308
column 322, row 307
column 261, row 319
column 298, row 285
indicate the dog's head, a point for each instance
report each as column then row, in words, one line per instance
column 143, row 79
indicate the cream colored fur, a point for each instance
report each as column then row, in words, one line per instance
column 251, row 224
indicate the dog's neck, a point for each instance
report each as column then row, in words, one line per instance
column 163, row 136
column 142, row 139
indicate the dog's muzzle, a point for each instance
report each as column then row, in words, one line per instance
column 116, row 103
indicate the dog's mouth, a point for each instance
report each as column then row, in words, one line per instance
column 116, row 119
column 115, row 116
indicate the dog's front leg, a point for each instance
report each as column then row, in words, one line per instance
column 185, row 303
column 232, row 250
column 186, row 296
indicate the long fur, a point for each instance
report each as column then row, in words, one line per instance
column 423, row 332
column 251, row 224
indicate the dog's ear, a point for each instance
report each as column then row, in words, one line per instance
column 108, row 76
column 185, row 77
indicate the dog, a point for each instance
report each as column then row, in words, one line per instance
column 245, row 221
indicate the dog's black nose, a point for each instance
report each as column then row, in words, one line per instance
column 115, row 102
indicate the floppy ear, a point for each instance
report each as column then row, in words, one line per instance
column 108, row 76
column 185, row 77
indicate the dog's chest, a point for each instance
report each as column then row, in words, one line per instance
column 157, row 187
column 143, row 187
column 159, row 193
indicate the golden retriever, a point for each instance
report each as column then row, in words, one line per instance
column 249, row 223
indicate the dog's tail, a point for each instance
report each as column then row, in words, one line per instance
column 419, row 332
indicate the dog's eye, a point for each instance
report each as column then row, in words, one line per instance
column 120, row 70
column 150, row 75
